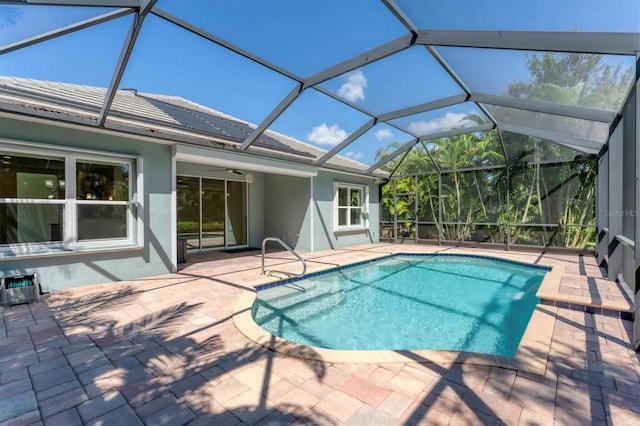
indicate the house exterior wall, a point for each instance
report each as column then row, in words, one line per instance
column 66, row 270
column 325, row 236
column 286, row 205
column 299, row 210
column 306, row 223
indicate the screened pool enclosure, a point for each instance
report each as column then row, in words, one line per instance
column 492, row 122
column 492, row 187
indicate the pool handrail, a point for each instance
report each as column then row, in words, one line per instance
column 283, row 244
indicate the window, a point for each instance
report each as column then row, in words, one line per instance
column 350, row 203
column 31, row 198
column 58, row 198
column 102, row 193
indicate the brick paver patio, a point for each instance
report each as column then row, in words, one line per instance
column 165, row 351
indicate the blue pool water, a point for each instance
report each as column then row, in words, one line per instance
column 458, row 303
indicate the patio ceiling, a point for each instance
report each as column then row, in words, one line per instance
column 358, row 75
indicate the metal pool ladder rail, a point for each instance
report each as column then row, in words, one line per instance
column 283, row 244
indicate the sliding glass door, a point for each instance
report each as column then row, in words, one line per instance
column 213, row 216
column 188, row 210
column 211, row 213
column 236, row 234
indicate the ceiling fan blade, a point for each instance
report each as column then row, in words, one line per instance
column 226, row 169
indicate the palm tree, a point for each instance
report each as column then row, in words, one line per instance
column 560, row 193
column 464, row 193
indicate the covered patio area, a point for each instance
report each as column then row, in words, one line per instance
column 165, row 350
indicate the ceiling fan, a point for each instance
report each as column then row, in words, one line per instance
column 226, row 169
column 248, row 177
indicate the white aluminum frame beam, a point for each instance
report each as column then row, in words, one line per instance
column 426, row 138
column 394, row 154
column 356, row 62
column 542, row 41
column 504, row 148
column 401, row 16
column 444, row 64
column 636, row 270
column 545, row 107
column 383, row 118
column 59, row 32
column 342, row 100
column 361, row 60
column 433, row 161
column 273, row 116
column 101, row 3
column 619, row 43
column 456, row 132
column 215, row 39
column 125, row 54
column 352, row 137
column 427, row 106
column 584, row 145
column 412, row 28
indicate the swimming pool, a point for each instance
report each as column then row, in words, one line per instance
column 444, row 302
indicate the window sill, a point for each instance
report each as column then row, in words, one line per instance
column 351, row 231
column 12, row 254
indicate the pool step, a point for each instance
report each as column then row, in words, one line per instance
column 589, row 294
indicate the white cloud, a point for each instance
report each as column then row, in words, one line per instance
column 325, row 135
column 354, row 155
column 353, row 89
column 449, row 121
column 383, row 134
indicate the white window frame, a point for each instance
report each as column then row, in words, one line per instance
column 364, row 207
column 70, row 242
column 71, row 195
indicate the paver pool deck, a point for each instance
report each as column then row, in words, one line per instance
column 173, row 350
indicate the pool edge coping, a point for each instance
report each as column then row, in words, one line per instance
column 531, row 356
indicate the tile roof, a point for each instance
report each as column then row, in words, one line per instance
column 170, row 117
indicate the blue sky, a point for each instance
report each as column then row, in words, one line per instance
column 305, row 38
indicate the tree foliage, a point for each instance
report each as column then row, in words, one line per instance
column 531, row 201
column 545, row 192
column 574, row 79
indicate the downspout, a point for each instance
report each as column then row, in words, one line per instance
column 381, row 184
column 311, row 209
column 174, row 213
